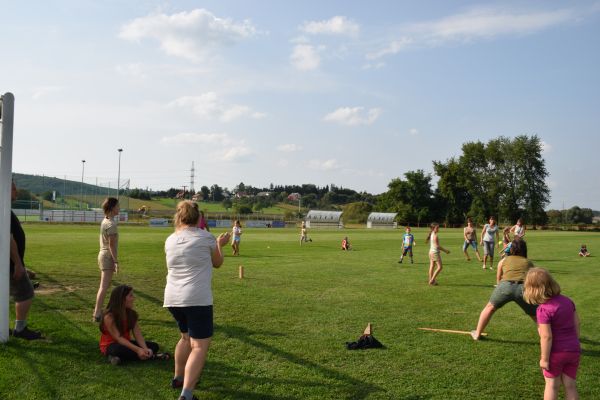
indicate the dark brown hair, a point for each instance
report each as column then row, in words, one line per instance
column 109, row 204
column 518, row 248
column 120, row 313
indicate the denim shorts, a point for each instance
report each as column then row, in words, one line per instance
column 488, row 248
column 196, row 321
column 508, row 291
column 466, row 244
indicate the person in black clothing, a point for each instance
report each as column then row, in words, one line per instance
column 21, row 288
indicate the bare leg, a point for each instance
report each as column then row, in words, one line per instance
column 22, row 309
column 431, row 265
column 182, row 352
column 195, row 362
column 551, row 389
column 105, row 279
column 467, row 255
column 484, row 319
column 478, row 255
column 437, row 270
column 485, row 258
column 570, row 388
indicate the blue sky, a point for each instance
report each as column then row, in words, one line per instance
column 347, row 92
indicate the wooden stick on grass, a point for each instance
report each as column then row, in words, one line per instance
column 449, row 331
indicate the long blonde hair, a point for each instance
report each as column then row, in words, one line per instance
column 431, row 229
column 539, row 286
column 187, row 213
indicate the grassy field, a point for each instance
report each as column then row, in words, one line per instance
column 280, row 333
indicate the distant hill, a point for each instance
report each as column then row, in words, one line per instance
column 38, row 184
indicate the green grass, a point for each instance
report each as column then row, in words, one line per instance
column 280, row 332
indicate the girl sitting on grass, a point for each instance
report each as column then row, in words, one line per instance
column 434, row 253
column 118, row 321
column 558, row 327
column 583, row 251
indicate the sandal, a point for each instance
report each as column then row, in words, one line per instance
column 162, row 356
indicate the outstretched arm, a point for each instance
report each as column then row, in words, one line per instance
column 217, row 254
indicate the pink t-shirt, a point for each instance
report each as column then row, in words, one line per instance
column 559, row 313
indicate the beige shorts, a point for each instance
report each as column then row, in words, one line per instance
column 105, row 261
column 434, row 256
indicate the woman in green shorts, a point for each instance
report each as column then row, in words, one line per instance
column 510, row 277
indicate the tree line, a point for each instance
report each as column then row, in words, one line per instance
column 505, row 177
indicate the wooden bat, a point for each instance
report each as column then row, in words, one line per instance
column 449, row 331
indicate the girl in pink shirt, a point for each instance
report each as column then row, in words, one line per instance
column 558, row 326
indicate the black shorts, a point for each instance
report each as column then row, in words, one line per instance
column 196, row 321
column 22, row 289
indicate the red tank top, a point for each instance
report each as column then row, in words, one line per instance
column 106, row 338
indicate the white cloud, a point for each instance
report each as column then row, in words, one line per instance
column 190, row 35
column 283, row 162
column 305, row 57
column 43, row 91
column 327, row 165
column 476, row 24
column 413, row 131
column 490, row 22
column 133, row 70
column 238, row 153
column 338, row 25
column 208, row 105
column 201, row 138
column 394, row 47
column 546, row 147
column 353, row 116
column 289, row 147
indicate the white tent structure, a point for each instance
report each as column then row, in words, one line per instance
column 7, row 102
column 324, row 219
column 382, row 220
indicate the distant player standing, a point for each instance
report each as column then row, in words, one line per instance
column 470, row 236
column 408, row 241
column 303, row 234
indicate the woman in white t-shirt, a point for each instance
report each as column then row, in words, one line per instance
column 489, row 236
column 192, row 253
column 519, row 229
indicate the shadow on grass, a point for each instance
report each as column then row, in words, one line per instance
column 357, row 389
column 469, row 285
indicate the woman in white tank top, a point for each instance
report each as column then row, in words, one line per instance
column 434, row 254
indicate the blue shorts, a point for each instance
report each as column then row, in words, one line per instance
column 236, row 238
column 473, row 244
column 407, row 250
column 196, row 321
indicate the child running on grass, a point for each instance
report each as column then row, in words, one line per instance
column 558, row 327
column 304, row 234
column 408, row 241
column 434, row 254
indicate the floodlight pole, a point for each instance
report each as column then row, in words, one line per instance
column 7, row 104
column 119, row 174
column 82, row 170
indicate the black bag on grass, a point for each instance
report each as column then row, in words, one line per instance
column 364, row 342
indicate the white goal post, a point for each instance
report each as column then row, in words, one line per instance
column 7, row 102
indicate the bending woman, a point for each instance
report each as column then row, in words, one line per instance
column 510, row 276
